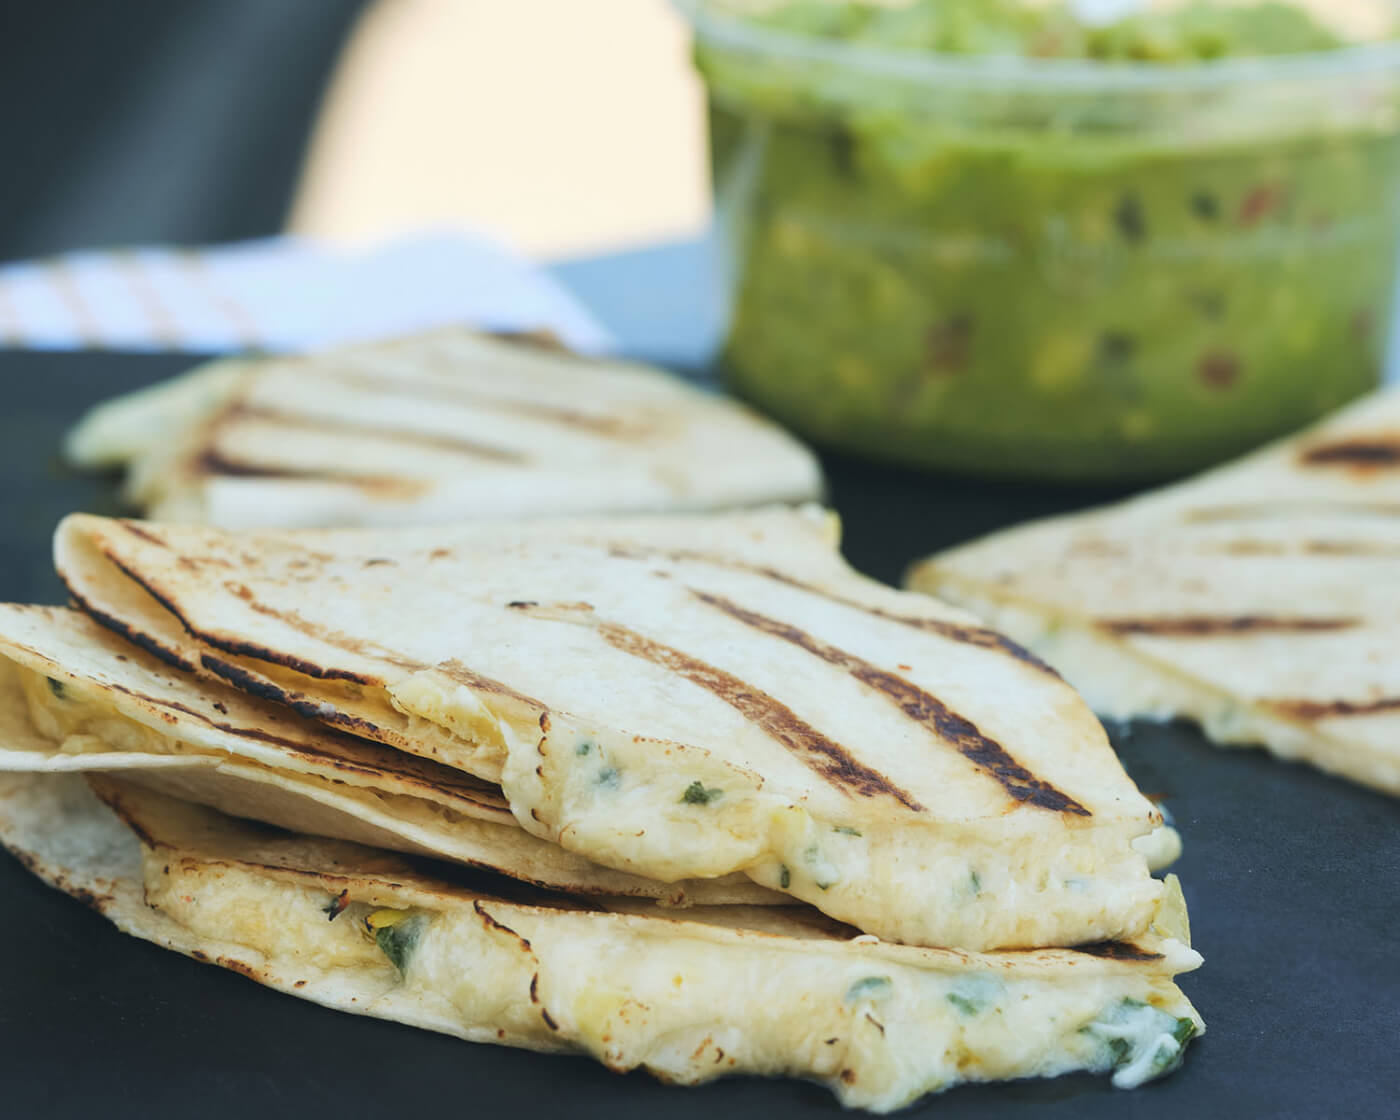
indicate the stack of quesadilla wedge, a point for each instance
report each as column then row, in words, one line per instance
column 1261, row 599
column 906, row 853
column 438, row 427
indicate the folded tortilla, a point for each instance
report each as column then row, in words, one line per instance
column 720, row 991
column 74, row 697
column 678, row 698
column 438, row 427
column 1261, row 599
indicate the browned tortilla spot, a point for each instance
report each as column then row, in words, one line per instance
column 923, row 708
column 1204, row 626
column 491, row 923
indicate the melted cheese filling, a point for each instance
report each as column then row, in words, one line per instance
column 1026, row 879
column 685, row 1001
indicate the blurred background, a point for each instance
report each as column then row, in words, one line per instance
column 1090, row 244
column 568, row 128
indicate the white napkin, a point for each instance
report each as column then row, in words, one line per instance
column 282, row 294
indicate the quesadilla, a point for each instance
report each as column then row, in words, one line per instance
column 1261, row 600
column 444, row 426
column 678, row 698
column 719, row 991
column 74, row 697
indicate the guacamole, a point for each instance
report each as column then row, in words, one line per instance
column 1051, row 272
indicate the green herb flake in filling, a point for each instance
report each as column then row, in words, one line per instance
column 697, row 794
column 823, row 873
column 583, row 748
column 784, row 877
column 609, row 778
column 845, row 830
column 1141, row 1041
column 869, row 987
column 56, row 687
column 397, row 933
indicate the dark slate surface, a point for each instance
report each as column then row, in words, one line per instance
column 1293, row 881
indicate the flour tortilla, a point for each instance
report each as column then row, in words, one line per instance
column 763, row 991
column 74, row 697
column 1261, row 599
column 439, row 427
column 679, row 698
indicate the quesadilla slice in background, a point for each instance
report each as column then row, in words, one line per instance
column 678, row 698
column 445, row 426
column 74, row 697
column 719, row 991
column 1261, row 599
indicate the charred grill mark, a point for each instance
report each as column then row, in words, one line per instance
column 458, row 444
column 1205, row 626
column 612, row 427
column 410, row 769
column 136, row 530
column 315, row 710
column 923, row 708
column 1287, row 508
column 263, row 653
column 1118, row 951
column 1374, row 453
column 132, row 635
column 1309, row 548
column 1329, row 709
column 212, row 463
column 829, row 759
column 980, row 636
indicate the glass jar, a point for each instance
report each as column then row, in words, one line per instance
column 1050, row 269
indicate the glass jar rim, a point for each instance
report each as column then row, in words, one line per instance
column 733, row 32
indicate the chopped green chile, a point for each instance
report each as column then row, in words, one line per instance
column 398, row 941
column 697, row 794
column 1142, row 1041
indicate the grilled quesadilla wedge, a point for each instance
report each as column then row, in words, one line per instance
column 439, row 427
column 73, row 697
column 720, row 991
column 1261, row 600
column 677, row 698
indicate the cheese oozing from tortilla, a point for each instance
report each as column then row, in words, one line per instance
column 689, row 1000
column 659, row 812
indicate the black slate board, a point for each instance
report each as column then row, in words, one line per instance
column 1293, row 880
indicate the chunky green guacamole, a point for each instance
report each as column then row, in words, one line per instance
column 1066, row 275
